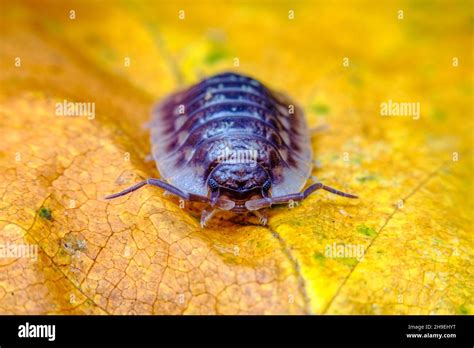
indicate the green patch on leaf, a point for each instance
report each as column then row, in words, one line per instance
column 367, row 177
column 45, row 213
column 319, row 257
column 320, row 109
column 462, row 310
column 438, row 115
column 368, row 231
column 216, row 54
column 349, row 261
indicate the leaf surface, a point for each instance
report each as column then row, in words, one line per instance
column 143, row 254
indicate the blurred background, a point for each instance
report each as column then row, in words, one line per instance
column 340, row 60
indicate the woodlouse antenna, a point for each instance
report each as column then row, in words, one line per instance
column 221, row 203
column 256, row 204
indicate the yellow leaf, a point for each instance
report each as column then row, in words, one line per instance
column 405, row 247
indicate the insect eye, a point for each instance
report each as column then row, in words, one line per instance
column 213, row 185
column 266, row 186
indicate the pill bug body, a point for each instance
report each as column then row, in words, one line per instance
column 232, row 142
column 232, row 129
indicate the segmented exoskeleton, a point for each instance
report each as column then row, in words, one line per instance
column 231, row 142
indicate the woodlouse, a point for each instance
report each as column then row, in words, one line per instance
column 231, row 142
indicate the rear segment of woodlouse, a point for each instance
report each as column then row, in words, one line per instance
column 231, row 142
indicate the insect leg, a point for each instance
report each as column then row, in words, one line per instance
column 262, row 216
column 159, row 183
column 206, row 216
column 223, row 204
column 256, row 204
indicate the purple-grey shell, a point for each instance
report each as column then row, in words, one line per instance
column 191, row 128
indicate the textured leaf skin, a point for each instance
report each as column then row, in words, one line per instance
column 143, row 253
